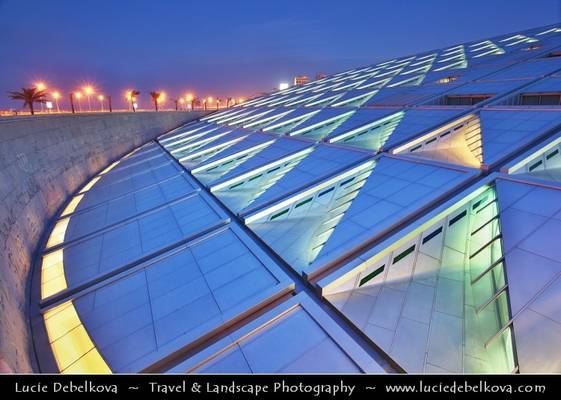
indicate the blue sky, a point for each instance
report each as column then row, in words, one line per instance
column 231, row 48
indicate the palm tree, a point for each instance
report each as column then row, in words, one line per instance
column 133, row 94
column 29, row 96
column 155, row 98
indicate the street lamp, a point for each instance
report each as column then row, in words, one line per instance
column 88, row 90
column 190, row 99
column 100, row 98
column 182, row 102
column 56, row 96
column 41, row 86
column 79, row 97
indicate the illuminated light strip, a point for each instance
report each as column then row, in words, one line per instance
column 232, row 157
column 182, row 134
column 90, row 184
column 71, row 207
column 283, row 100
column 538, row 153
column 300, row 196
column 381, row 83
column 250, row 117
column 512, row 38
column 72, row 347
column 418, row 79
column 328, row 87
column 428, row 60
column 211, row 149
column 460, row 64
column 389, row 73
column 490, row 45
column 422, row 69
column 109, row 168
column 289, row 121
column 496, row 50
column 259, row 170
column 552, row 30
column 213, row 117
column 427, row 56
column 365, row 76
column 269, row 99
column 462, row 55
column 386, row 62
column 481, row 43
column 351, row 85
column 433, row 133
column 365, row 127
column 231, row 117
column 305, row 89
column 267, row 119
column 191, row 137
column 455, row 48
column 525, row 40
column 199, row 143
column 322, row 123
column 323, row 100
column 302, row 100
column 356, row 98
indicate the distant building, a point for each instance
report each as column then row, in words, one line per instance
column 301, row 80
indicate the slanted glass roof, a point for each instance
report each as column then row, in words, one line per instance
column 418, row 196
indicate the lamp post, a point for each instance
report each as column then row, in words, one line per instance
column 41, row 86
column 190, row 99
column 79, row 97
column 72, row 103
column 100, row 98
column 56, row 96
column 110, row 105
column 88, row 90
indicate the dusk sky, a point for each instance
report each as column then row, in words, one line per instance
column 230, row 48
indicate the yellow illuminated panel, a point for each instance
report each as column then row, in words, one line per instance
column 91, row 363
column 58, row 233
column 90, row 184
column 52, row 274
column 71, row 207
column 72, row 347
column 109, row 168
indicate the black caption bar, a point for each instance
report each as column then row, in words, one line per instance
column 278, row 386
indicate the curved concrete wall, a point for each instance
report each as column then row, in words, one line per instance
column 42, row 161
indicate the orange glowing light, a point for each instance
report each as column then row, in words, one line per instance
column 56, row 95
column 88, row 90
column 181, row 101
column 78, row 95
column 189, row 97
column 210, row 99
column 41, row 86
column 100, row 97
